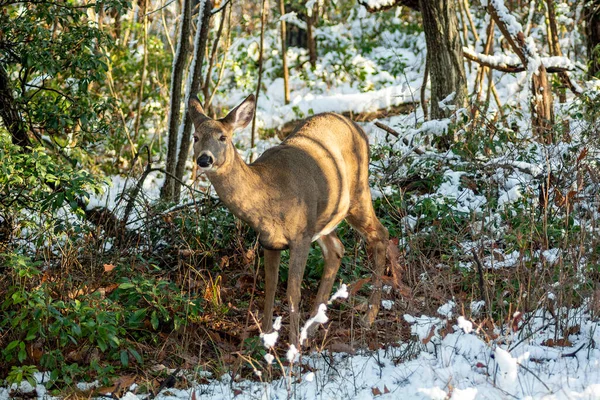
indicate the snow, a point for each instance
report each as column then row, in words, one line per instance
column 507, row 364
column 292, row 354
column 342, row 293
column 453, row 365
column 446, row 309
column 387, row 304
column 319, row 318
column 277, row 324
column 512, row 25
column 310, row 104
column 465, row 325
column 378, row 4
column 269, row 358
column 292, row 18
column 269, row 339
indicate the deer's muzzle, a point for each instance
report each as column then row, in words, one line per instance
column 204, row 161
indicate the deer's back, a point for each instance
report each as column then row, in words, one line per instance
column 321, row 168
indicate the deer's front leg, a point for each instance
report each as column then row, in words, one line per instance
column 272, row 258
column 298, row 257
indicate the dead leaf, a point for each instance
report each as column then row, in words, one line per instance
column 108, row 267
column 121, row 384
column 385, row 389
column 356, row 286
column 557, row 343
column 498, row 256
column 582, row 154
column 430, row 336
column 376, row 392
column 339, row 347
column 393, row 256
column 573, row 330
column 186, row 252
column 35, row 350
column 517, row 318
column 449, row 328
column 224, row 263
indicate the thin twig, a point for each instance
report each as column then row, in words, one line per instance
column 397, row 135
column 160, row 8
column 218, row 10
column 484, row 295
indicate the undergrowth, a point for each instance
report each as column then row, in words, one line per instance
column 498, row 220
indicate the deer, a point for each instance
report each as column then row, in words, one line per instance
column 295, row 193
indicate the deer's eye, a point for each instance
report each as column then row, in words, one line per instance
column 223, row 138
column 195, row 138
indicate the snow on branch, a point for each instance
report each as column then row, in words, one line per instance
column 511, row 64
column 513, row 32
column 541, row 101
column 373, row 6
column 292, row 18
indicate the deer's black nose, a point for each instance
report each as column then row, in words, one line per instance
column 204, row 161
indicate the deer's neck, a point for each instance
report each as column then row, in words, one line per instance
column 241, row 188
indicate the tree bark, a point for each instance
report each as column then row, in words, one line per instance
column 263, row 22
column 592, row 13
column 9, row 112
column 444, row 55
column 211, row 60
column 138, row 115
column 311, row 21
column 286, row 72
column 167, row 191
column 194, row 81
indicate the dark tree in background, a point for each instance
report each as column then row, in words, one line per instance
column 444, row 55
column 167, row 191
column 444, row 52
column 592, row 13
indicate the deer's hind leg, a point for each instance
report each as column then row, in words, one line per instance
column 333, row 251
column 362, row 217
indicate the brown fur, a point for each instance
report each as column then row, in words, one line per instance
column 296, row 193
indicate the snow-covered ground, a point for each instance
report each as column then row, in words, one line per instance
column 461, row 363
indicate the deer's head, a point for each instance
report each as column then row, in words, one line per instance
column 213, row 147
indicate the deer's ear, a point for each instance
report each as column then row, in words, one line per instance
column 241, row 116
column 196, row 111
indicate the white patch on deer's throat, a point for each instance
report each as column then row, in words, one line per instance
column 212, row 168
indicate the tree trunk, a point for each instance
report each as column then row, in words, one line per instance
column 263, row 22
column 311, row 21
column 167, row 191
column 211, row 60
column 9, row 112
column 193, row 86
column 286, row 72
column 592, row 13
column 444, row 55
column 138, row 115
